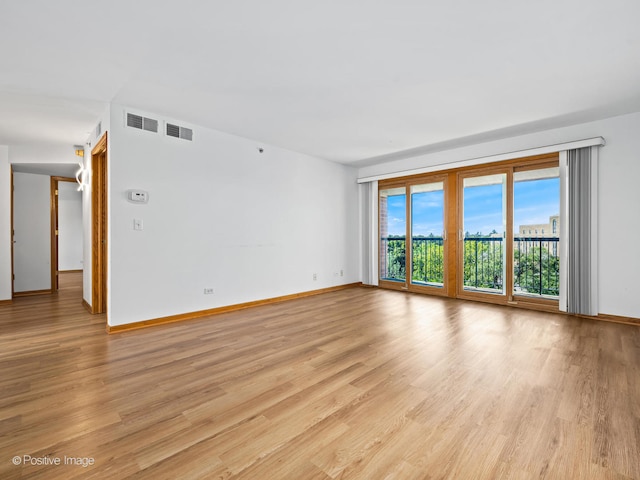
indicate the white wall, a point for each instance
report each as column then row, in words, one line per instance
column 5, row 224
column 618, row 204
column 69, row 227
column 32, row 225
column 222, row 215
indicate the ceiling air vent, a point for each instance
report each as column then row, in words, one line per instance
column 142, row 123
column 179, row 132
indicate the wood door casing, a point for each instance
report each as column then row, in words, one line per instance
column 99, row 226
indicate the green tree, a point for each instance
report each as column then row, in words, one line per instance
column 536, row 271
column 428, row 259
column 396, row 258
column 483, row 262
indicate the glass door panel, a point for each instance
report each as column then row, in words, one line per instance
column 427, row 230
column 393, row 231
column 536, row 232
column 484, row 227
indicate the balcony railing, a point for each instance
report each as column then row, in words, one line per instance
column 428, row 260
column 536, row 265
column 393, row 258
column 483, row 263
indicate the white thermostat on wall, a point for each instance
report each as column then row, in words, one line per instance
column 137, row 196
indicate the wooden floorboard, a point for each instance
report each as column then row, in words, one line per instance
column 355, row 384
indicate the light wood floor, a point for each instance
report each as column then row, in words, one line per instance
column 357, row 384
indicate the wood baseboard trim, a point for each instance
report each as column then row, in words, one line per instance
column 615, row 319
column 228, row 308
column 70, row 271
column 6, row 302
column 31, row 293
column 543, row 306
column 86, row 306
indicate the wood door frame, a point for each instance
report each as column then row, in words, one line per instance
column 390, row 284
column 408, row 284
column 99, row 162
column 471, row 294
column 413, row 287
column 54, row 229
column 13, row 234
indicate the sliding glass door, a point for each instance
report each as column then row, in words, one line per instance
column 483, row 233
column 536, row 232
column 427, row 234
column 510, row 233
column 503, row 229
column 412, row 236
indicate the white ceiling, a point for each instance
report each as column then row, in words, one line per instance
column 352, row 81
column 51, row 169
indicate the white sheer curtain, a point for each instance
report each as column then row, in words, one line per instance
column 579, row 231
column 369, row 232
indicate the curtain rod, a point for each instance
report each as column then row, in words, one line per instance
column 558, row 147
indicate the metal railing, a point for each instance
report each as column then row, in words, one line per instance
column 393, row 258
column 483, row 263
column 427, row 262
column 536, row 264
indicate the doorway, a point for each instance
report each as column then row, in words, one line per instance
column 66, row 228
column 30, row 229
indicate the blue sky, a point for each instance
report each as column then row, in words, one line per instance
column 534, row 202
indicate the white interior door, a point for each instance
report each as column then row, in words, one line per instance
column 32, row 232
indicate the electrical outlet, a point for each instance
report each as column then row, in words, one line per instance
column 208, row 291
column 342, row 273
column 315, row 277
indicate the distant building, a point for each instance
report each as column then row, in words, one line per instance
column 551, row 229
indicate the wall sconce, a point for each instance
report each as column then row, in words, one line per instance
column 81, row 174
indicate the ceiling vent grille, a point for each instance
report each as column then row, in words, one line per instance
column 142, row 123
column 179, row 132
